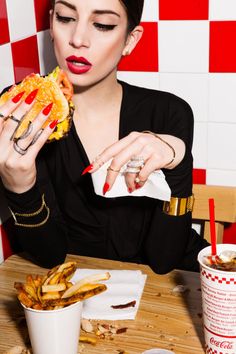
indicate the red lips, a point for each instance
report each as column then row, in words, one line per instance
column 78, row 65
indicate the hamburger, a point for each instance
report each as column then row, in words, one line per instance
column 56, row 88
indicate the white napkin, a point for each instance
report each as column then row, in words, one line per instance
column 155, row 187
column 123, row 287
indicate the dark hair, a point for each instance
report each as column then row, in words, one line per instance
column 134, row 9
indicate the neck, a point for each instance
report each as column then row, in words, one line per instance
column 99, row 99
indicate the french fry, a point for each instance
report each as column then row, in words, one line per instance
column 90, row 279
column 55, row 291
column 52, row 288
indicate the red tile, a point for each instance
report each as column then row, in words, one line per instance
column 145, row 55
column 183, row 9
column 7, row 251
column 25, row 57
column 230, row 234
column 199, row 176
column 222, row 46
column 4, row 32
column 42, row 8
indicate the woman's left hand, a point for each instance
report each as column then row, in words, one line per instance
column 144, row 153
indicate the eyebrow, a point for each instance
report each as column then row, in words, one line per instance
column 96, row 12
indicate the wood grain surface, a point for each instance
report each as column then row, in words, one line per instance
column 164, row 319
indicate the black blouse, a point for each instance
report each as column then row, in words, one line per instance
column 125, row 228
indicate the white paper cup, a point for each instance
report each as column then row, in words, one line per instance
column 218, row 304
column 54, row 331
column 158, row 351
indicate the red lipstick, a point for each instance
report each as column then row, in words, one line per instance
column 78, row 65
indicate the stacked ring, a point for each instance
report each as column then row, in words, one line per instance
column 13, row 118
column 18, row 149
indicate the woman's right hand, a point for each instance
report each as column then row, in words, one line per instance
column 17, row 156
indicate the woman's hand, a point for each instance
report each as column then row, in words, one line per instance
column 17, row 157
column 144, row 154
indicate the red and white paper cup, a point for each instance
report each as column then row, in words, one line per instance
column 218, row 304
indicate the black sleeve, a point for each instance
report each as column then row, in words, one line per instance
column 179, row 123
column 46, row 244
column 171, row 242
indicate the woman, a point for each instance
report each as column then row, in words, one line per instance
column 55, row 209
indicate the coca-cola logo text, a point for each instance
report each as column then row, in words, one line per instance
column 224, row 344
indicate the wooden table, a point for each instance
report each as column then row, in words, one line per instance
column 164, row 320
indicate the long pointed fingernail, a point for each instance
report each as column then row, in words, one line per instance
column 137, row 186
column 18, row 97
column 130, row 190
column 53, row 124
column 105, row 188
column 47, row 109
column 87, row 169
column 29, row 99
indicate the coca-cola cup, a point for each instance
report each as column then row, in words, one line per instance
column 218, row 304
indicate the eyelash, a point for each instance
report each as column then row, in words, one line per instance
column 100, row 26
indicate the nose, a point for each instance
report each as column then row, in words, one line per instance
column 80, row 36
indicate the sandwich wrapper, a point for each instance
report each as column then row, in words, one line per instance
column 123, row 287
column 155, row 187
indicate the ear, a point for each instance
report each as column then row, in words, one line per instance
column 51, row 26
column 132, row 40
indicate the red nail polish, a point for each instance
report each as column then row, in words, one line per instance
column 130, row 190
column 29, row 99
column 105, row 188
column 137, row 186
column 47, row 109
column 53, row 124
column 87, row 169
column 17, row 98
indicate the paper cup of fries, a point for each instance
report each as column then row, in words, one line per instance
column 53, row 307
column 54, row 331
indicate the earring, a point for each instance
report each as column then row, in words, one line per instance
column 126, row 52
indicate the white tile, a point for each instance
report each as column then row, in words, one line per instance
column 150, row 11
column 222, row 99
column 21, row 16
column 221, row 177
column 191, row 87
column 222, row 146
column 6, row 67
column 200, row 145
column 47, row 59
column 222, row 10
column 183, row 46
column 143, row 79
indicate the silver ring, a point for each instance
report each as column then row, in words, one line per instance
column 13, row 118
column 18, row 149
column 132, row 170
column 2, row 116
column 35, row 138
column 135, row 163
column 27, row 131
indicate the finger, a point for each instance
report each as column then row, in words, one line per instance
column 134, row 148
column 149, row 167
column 9, row 107
column 34, row 130
column 17, row 115
column 113, row 150
column 33, row 149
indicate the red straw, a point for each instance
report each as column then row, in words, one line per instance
column 212, row 226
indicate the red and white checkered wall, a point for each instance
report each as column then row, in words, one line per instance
column 188, row 48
